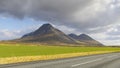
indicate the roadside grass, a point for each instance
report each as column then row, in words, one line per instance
column 12, row 53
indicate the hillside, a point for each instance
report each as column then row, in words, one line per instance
column 86, row 39
column 48, row 34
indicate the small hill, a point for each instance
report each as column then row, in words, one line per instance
column 48, row 34
column 86, row 39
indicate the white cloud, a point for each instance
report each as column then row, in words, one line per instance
column 6, row 34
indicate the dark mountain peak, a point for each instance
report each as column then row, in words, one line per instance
column 48, row 34
column 80, row 37
column 84, row 37
column 46, row 27
column 73, row 35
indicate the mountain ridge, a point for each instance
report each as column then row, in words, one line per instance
column 51, row 35
column 48, row 34
column 86, row 39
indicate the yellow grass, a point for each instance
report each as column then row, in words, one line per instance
column 47, row 57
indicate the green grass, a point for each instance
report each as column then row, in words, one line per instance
column 13, row 50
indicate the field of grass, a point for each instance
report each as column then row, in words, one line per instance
column 15, row 50
column 19, row 52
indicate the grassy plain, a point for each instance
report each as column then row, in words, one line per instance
column 12, row 53
column 12, row 50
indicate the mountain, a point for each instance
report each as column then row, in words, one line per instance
column 48, row 34
column 74, row 36
column 86, row 39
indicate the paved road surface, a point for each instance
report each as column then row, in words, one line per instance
column 95, row 61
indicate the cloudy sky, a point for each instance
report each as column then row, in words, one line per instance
column 98, row 18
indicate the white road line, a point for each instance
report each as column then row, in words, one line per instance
column 87, row 62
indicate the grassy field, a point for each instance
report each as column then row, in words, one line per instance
column 19, row 52
column 15, row 50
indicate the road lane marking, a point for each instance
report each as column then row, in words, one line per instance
column 87, row 62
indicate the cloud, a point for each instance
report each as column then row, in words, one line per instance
column 113, row 38
column 114, row 31
column 6, row 34
column 111, row 42
column 80, row 14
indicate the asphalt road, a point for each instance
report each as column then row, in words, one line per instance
column 95, row 61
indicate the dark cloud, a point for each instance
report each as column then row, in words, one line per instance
column 81, row 14
column 46, row 10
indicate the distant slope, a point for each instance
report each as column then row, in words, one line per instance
column 48, row 34
column 86, row 39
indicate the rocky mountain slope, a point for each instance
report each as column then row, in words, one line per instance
column 48, row 34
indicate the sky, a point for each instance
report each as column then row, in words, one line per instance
column 97, row 18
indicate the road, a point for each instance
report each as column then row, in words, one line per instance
column 111, row 60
